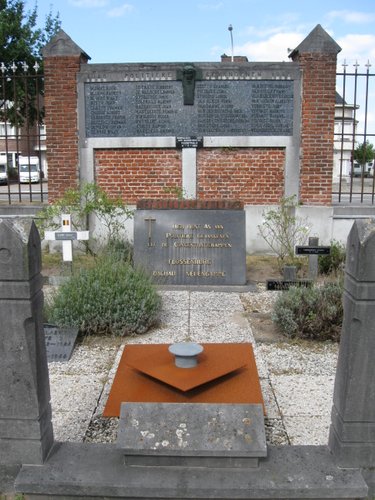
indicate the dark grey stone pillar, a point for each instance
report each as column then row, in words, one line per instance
column 352, row 434
column 26, row 434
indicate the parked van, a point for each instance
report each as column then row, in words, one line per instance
column 29, row 170
column 3, row 171
column 368, row 169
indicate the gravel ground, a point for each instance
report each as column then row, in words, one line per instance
column 296, row 379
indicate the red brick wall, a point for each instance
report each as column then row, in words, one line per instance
column 61, row 123
column 253, row 175
column 131, row 174
column 317, row 130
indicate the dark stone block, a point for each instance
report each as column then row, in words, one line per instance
column 191, row 247
column 221, row 108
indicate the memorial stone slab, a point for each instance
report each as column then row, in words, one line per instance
column 220, row 108
column 191, row 247
column 59, row 342
column 192, row 434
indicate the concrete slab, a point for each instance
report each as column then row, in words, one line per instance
column 192, row 434
column 74, row 470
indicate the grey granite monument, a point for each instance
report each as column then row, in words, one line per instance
column 352, row 435
column 25, row 413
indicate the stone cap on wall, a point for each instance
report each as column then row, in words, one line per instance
column 173, row 204
column 318, row 40
column 62, row 45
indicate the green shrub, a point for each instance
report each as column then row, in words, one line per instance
column 120, row 250
column 310, row 313
column 333, row 262
column 111, row 298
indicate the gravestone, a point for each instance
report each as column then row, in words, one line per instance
column 191, row 246
column 26, row 434
column 59, row 342
column 66, row 236
column 352, row 434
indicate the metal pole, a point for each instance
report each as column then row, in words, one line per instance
column 230, row 29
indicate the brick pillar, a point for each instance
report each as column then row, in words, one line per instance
column 317, row 56
column 62, row 62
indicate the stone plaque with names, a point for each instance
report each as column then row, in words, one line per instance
column 191, row 247
column 221, row 108
column 59, row 342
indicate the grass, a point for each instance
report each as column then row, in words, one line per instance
column 53, row 264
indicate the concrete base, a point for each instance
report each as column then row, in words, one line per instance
column 76, row 471
column 8, row 474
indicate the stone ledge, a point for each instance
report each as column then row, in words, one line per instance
column 76, row 471
column 172, row 204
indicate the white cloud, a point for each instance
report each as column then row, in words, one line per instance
column 359, row 48
column 352, row 17
column 120, row 11
column 89, row 3
column 274, row 48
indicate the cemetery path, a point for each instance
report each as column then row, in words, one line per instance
column 296, row 378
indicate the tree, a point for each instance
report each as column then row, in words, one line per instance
column 21, row 42
column 364, row 153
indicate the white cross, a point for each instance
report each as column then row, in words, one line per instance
column 66, row 236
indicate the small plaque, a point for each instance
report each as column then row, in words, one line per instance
column 311, row 250
column 189, row 142
column 59, row 342
column 66, row 235
column 276, row 285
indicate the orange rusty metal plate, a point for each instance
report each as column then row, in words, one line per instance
column 158, row 362
column 236, row 386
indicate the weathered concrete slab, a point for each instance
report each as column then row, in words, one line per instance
column 77, row 471
column 200, row 435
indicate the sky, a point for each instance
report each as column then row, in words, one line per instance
column 121, row 31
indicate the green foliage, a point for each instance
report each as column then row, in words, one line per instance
column 283, row 230
column 110, row 298
column 80, row 204
column 334, row 262
column 364, row 153
column 314, row 313
column 21, row 42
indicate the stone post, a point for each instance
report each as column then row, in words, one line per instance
column 26, row 434
column 352, row 433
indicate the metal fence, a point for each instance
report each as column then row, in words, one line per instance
column 24, row 168
column 353, row 175
column 23, row 165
